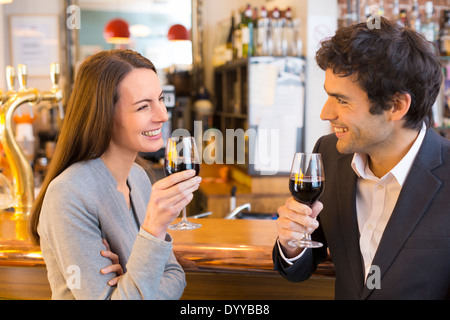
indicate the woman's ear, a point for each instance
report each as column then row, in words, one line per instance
column 401, row 105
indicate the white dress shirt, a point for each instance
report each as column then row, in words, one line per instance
column 375, row 200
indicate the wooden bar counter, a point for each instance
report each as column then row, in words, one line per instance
column 225, row 259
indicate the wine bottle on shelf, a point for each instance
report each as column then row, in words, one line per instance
column 288, row 40
column 402, row 18
column 415, row 23
column 396, row 11
column 263, row 34
column 430, row 27
column 298, row 43
column 381, row 8
column 255, row 29
column 230, row 41
column 445, row 35
column 276, row 32
column 247, row 33
column 237, row 51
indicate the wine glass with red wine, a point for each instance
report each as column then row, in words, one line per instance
column 306, row 183
column 182, row 154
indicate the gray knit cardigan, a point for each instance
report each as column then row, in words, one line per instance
column 81, row 207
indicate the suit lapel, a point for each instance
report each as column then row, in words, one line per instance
column 347, row 178
column 409, row 209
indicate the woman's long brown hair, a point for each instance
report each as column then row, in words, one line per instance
column 87, row 126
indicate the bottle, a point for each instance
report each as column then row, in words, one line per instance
column 402, row 18
column 230, row 41
column 287, row 34
column 396, row 11
column 381, row 8
column 237, row 50
column 297, row 47
column 24, row 135
column 367, row 12
column 255, row 29
column 247, row 33
column 429, row 28
column 263, row 33
column 251, row 28
column 276, row 32
column 415, row 22
column 40, row 167
column 445, row 35
column 255, row 17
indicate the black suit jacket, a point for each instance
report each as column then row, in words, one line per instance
column 414, row 252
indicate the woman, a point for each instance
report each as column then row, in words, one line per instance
column 94, row 191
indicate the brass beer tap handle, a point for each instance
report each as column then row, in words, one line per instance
column 55, row 73
column 22, row 74
column 10, row 78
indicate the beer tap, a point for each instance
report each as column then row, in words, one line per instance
column 55, row 73
column 10, row 79
column 23, row 182
column 55, row 94
column 22, row 75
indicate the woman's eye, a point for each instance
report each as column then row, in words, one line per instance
column 340, row 101
column 161, row 98
column 142, row 108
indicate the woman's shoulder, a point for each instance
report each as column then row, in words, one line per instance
column 79, row 173
column 75, row 190
column 81, row 178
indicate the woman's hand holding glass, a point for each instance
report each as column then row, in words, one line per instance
column 169, row 196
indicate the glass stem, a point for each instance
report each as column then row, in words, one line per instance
column 307, row 236
column 183, row 218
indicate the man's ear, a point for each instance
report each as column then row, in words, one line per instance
column 400, row 106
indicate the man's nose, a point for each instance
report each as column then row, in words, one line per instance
column 328, row 111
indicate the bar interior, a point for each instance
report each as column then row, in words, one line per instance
column 240, row 78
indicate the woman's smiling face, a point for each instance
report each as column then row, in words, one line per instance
column 140, row 113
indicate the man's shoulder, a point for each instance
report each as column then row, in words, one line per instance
column 435, row 148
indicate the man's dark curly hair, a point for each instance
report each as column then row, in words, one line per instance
column 387, row 60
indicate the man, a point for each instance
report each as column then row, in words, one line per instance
column 385, row 211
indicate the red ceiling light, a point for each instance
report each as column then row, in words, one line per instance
column 117, row 31
column 178, row 32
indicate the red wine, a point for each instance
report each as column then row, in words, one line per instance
column 173, row 167
column 307, row 190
